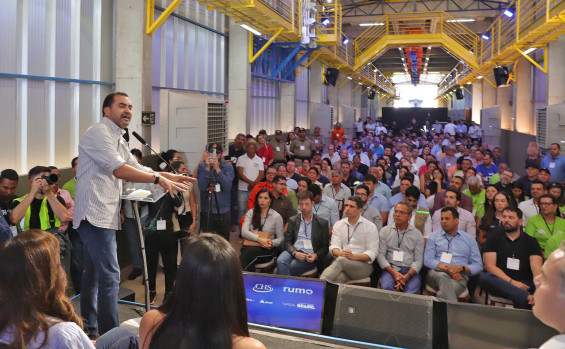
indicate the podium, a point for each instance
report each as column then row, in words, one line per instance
column 135, row 195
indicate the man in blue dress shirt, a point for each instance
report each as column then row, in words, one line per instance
column 452, row 256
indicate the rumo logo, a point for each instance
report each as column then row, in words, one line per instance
column 263, row 288
column 297, row 290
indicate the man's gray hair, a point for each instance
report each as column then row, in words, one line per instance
column 408, row 205
column 474, row 180
column 337, row 172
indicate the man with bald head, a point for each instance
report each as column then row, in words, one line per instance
column 549, row 298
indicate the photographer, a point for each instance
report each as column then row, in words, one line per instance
column 215, row 178
column 43, row 209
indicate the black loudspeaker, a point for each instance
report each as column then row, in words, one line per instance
column 501, row 75
column 390, row 318
column 459, row 94
column 331, row 76
column 371, row 94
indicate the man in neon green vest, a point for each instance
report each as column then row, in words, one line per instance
column 41, row 208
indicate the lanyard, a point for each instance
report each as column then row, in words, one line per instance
column 547, row 225
column 350, row 236
column 264, row 220
column 403, row 235
column 448, row 242
column 306, row 224
column 517, row 245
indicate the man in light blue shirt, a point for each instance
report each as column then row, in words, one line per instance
column 452, row 256
column 405, row 183
column 555, row 163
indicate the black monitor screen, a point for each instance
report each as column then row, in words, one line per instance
column 285, row 302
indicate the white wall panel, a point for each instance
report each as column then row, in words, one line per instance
column 264, row 106
column 8, row 139
column 37, row 41
column 36, row 134
column 8, row 53
column 37, row 38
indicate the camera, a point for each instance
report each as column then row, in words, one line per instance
column 50, row 178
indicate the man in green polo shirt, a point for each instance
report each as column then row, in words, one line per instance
column 476, row 193
column 546, row 224
column 70, row 185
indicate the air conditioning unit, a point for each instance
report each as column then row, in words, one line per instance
column 550, row 126
column 194, row 120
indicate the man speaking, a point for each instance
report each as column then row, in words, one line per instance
column 104, row 161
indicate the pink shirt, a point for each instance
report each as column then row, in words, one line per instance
column 70, row 205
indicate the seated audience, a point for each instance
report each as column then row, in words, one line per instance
column 401, row 252
column 456, row 183
column 491, row 223
column 547, row 223
column 306, row 241
column 512, row 260
column 369, row 212
column 452, row 257
column 420, row 216
column 207, row 308
column 34, row 311
column 466, row 220
column 261, row 218
column 354, row 243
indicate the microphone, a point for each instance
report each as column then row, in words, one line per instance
column 142, row 141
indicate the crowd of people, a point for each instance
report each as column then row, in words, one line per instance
column 428, row 206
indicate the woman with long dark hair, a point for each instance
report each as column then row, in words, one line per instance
column 208, row 307
column 490, row 191
column 261, row 218
column 34, row 310
column 492, row 221
column 303, row 184
column 170, row 156
column 556, row 190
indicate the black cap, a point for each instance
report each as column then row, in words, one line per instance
column 301, row 129
column 532, row 163
column 545, row 169
column 278, row 132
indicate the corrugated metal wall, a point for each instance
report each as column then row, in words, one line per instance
column 264, row 106
column 302, row 99
column 189, row 54
column 55, row 63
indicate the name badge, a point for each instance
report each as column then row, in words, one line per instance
column 217, row 188
column 263, row 158
column 541, row 231
column 161, row 224
column 552, row 165
column 255, row 164
column 315, row 141
column 233, row 159
column 446, row 257
column 448, row 164
column 513, row 263
column 278, row 148
column 397, row 256
column 14, row 230
column 302, row 147
column 308, row 245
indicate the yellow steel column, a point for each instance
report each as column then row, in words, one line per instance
column 152, row 26
column 267, row 44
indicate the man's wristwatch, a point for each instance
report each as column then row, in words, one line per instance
column 157, row 177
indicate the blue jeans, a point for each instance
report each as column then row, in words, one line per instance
column 100, row 280
column 412, row 286
column 130, row 226
column 288, row 265
column 242, row 197
column 117, row 338
column 502, row 288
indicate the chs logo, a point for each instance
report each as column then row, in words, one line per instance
column 263, row 288
column 298, row 290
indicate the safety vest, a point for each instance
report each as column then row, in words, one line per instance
column 46, row 215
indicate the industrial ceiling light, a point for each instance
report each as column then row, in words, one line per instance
column 371, row 24
column 345, row 41
column 508, row 13
column 530, row 50
column 485, row 36
column 246, row 27
column 460, row 20
column 326, row 21
column 375, row 70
